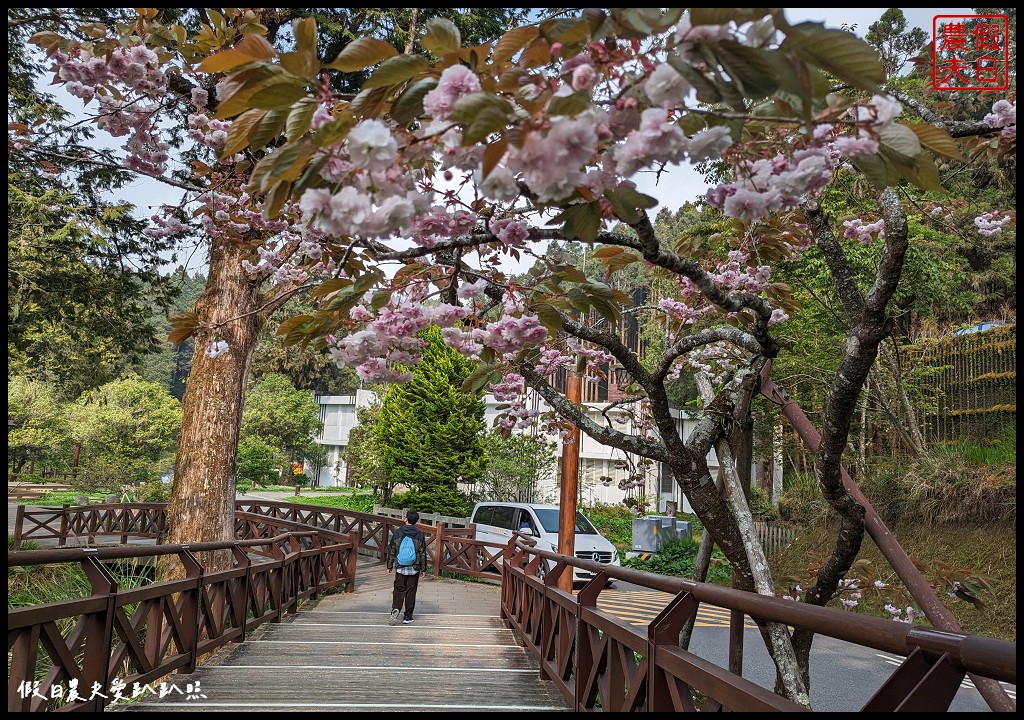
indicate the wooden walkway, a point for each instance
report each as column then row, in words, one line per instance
column 341, row 655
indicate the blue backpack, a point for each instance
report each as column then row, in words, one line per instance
column 406, row 552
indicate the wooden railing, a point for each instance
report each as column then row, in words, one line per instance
column 138, row 635
column 452, row 550
column 600, row 662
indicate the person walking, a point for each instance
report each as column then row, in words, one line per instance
column 408, row 560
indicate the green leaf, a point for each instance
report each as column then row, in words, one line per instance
column 512, row 42
column 301, row 64
column 755, row 70
column 238, row 133
column 279, row 95
column 362, row 53
column 874, row 168
column 839, row 52
column 251, row 48
column 581, row 221
column 901, row 140
column 269, row 129
column 578, row 299
column 923, row 172
column 397, row 70
column 627, row 202
column 369, row 103
column 300, row 118
column 292, row 324
column 937, row 140
column 240, row 86
column 276, row 199
column 569, row 104
column 333, row 131
column 549, row 317
column 305, row 34
column 721, row 16
column 480, row 115
column 329, row 286
column 441, row 38
column 288, row 161
column 478, row 379
column 409, row 105
column 707, row 91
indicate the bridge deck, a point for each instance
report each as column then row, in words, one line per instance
column 342, row 655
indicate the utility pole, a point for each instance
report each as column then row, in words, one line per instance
column 570, row 471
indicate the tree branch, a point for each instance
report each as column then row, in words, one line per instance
column 705, row 337
column 955, row 128
column 575, row 415
column 112, row 166
column 828, row 243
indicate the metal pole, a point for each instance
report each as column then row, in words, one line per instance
column 567, row 497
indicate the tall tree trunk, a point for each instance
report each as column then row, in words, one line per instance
column 202, row 502
column 791, row 679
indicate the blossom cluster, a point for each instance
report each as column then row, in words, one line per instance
column 990, row 223
column 136, row 71
column 512, row 390
column 866, row 233
column 1003, row 115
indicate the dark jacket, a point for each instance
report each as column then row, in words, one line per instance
column 418, row 538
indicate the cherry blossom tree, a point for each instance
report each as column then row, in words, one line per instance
column 402, row 203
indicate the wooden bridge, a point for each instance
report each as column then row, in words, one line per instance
column 523, row 644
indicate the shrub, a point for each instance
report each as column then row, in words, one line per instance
column 678, row 558
column 443, row 501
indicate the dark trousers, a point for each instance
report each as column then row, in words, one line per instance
column 405, row 592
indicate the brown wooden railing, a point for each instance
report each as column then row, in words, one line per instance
column 600, row 662
column 142, row 634
column 452, row 550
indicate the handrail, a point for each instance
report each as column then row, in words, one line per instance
column 20, row 558
column 599, row 662
column 154, row 630
column 589, row 653
column 989, row 656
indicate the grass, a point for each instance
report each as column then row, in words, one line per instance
column 941, row 551
column 63, row 497
column 38, row 584
column 362, row 502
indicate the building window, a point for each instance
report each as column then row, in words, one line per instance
column 668, row 483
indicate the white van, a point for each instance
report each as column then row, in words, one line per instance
column 495, row 522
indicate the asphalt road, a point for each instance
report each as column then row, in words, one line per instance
column 843, row 676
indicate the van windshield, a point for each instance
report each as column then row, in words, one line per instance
column 549, row 519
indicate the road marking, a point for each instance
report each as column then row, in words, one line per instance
column 640, row 607
column 965, row 683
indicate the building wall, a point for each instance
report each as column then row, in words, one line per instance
column 597, row 461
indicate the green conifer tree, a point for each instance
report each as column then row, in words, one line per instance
column 430, row 431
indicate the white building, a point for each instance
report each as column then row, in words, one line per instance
column 599, row 471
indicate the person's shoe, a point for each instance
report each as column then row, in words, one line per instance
column 406, row 621
column 393, row 620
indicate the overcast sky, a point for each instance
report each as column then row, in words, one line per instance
column 679, row 185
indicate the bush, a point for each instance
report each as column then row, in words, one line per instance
column 362, row 502
column 678, row 558
column 446, row 502
column 615, row 522
column 761, row 506
column 154, row 491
